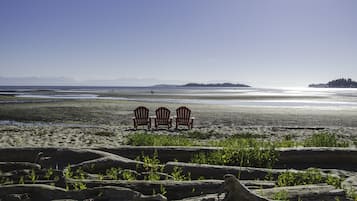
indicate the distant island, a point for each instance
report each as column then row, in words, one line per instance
column 214, row 85
column 339, row 83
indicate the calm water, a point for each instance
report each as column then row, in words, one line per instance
column 250, row 97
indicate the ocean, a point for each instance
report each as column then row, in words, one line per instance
column 324, row 98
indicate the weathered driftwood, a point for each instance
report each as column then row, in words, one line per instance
column 235, row 191
column 47, row 193
column 10, row 166
column 321, row 192
column 338, row 158
column 297, row 158
column 174, row 189
column 328, row 158
column 56, row 158
column 207, row 197
column 165, row 153
column 218, row 171
column 350, row 184
column 100, row 165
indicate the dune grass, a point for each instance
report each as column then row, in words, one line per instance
column 242, row 150
column 212, row 139
column 324, row 139
column 310, row 176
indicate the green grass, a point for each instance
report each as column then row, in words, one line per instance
column 240, row 151
column 311, row 176
column 196, row 138
column 324, row 139
column 243, row 150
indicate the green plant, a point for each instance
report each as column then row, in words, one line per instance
column 152, row 166
column 324, row 139
column 352, row 194
column 21, row 180
column 68, row 172
column 163, row 190
column 113, row 173
column 49, row 174
column 79, row 186
column 33, row 177
column 79, row 175
column 334, row 181
column 281, row 195
column 243, row 152
column 310, row 176
column 178, row 175
column 128, row 175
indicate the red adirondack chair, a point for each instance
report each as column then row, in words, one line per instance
column 163, row 117
column 183, row 117
column 141, row 117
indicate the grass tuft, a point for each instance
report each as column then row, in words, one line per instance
column 324, row 139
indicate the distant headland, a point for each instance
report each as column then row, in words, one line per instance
column 214, row 85
column 339, row 83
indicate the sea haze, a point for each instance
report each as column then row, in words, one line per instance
column 324, row 98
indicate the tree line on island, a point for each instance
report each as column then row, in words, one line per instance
column 225, row 84
column 339, row 83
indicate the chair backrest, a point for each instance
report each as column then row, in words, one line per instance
column 141, row 112
column 162, row 113
column 183, row 113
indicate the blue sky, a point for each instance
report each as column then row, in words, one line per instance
column 258, row 42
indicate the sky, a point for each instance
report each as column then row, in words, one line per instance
column 256, row 42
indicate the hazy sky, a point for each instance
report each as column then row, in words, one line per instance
column 258, row 42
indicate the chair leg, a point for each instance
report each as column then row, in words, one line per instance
column 135, row 126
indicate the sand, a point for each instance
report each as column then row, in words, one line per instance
column 106, row 123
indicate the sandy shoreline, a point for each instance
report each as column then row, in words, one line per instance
column 105, row 123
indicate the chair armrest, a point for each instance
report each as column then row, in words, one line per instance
column 133, row 118
column 192, row 118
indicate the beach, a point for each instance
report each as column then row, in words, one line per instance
column 105, row 122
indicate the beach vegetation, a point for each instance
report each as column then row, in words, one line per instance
column 310, row 176
column 178, row 175
column 242, row 152
column 22, row 180
column 112, row 173
column 281, row 195
column 163, row 190
column 118, row 174
column 128, row 175
column 33, row 177
column 78, row 176
column 197, row 138
column 324, row 139
column 152, row 166
column 49, row 173
column 351, row 193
